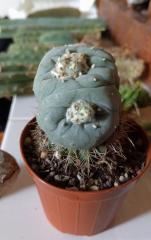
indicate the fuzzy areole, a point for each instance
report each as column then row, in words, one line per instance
column 80, row 112
column 71, row 65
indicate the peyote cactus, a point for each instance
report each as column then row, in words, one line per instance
column 78, row 99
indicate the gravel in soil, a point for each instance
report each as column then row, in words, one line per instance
column 120, row 160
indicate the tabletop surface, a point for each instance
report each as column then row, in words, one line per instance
column 21, row 214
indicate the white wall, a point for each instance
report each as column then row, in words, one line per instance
column 6, row 5
column 19, row 8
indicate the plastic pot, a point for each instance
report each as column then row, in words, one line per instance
column 81, row 212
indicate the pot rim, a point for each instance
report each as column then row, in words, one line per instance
column 81, row 193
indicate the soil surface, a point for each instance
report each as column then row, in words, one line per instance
column 120, row 160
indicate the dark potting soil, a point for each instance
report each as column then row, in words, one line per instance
column 120, row 160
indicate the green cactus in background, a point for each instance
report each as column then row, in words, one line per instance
column 57, row 38
column 33, row 25
column 134, row 96
column 18, row 65
column 77, row 93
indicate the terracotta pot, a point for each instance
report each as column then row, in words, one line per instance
column 77, row 212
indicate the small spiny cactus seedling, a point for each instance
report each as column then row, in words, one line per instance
column 78, row 99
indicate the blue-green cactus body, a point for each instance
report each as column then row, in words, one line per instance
column 77, row 92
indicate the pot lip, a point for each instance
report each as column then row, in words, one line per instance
column 104, row 191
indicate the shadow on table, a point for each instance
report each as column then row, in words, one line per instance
column 138, row 201
column 22, row 182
